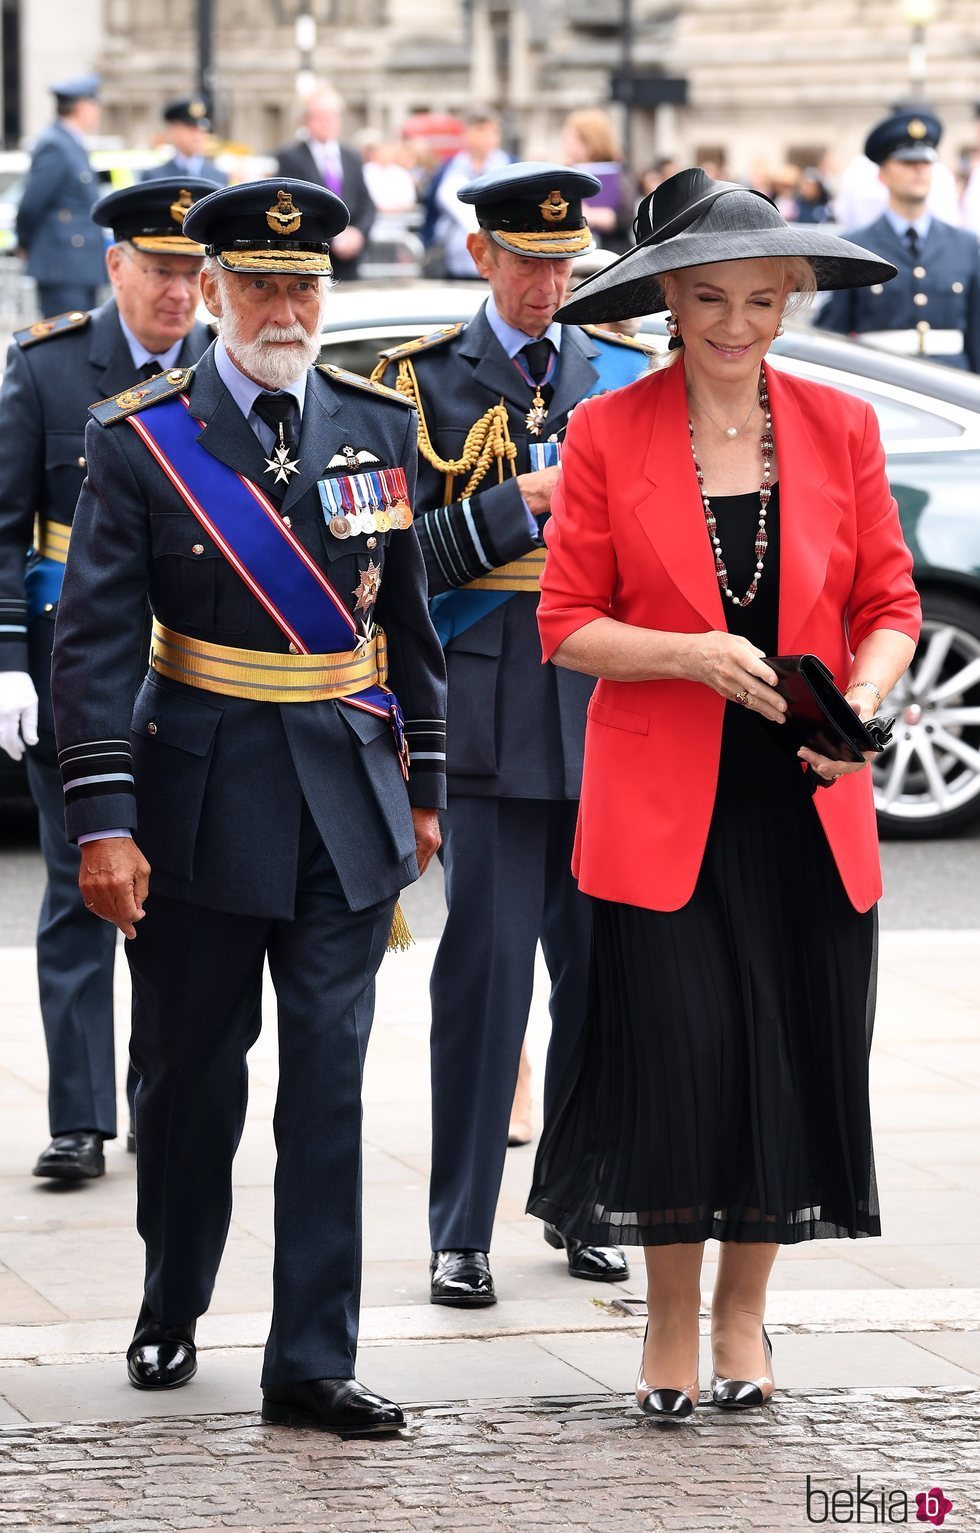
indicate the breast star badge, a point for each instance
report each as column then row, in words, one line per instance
column 367, row 591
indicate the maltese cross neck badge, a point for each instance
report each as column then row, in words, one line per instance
column 281, row 465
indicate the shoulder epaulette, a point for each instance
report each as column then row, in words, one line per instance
column 423, row 342
column 176, row 380
column 58, row 324
column 598, row 333
column 355, row 381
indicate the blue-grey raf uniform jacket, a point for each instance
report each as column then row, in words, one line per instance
column 54, row 219
column 941, row 289
column 516, row 728
column 220, row 781
column 173, row 167
column 54, row 371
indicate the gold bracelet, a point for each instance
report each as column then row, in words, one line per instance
column 853, row 686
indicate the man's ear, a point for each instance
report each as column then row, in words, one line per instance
column 211, row 293
column 478, row 245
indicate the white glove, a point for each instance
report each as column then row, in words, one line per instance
column 18, row 713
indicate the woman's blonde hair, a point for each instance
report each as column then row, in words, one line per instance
column 594, row 128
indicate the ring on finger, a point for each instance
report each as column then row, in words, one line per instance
column 743, row 698
column 89, row 904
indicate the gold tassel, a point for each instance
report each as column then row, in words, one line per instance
column 400, row 938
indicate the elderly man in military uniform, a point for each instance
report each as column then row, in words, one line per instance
column 494, row 397
column 188, row 128
column 54, row 218
column 263, row 506
column 55, row 369
column 932, row 309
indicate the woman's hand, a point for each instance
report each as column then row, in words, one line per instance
column 736, row 669
column 827, row 770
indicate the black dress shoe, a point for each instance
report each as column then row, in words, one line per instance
column 333, row 1405
column 72, row 1157
column 600, row 1264
column 161, row 1356
column 461, row 1279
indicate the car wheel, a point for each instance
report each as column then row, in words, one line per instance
column 927, row 783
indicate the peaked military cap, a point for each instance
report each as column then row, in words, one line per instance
column 274, row 226
column 150, row 215
column 534, row 208
column 906, row 135
column 190, row 110
column 77, row 88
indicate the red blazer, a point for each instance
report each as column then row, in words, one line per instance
column 627, row 539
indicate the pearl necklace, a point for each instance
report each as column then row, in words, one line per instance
column 765, row 494
column 730, row 431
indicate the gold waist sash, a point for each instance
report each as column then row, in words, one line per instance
column 51, row 540
column 265, row 676
column 520, row 575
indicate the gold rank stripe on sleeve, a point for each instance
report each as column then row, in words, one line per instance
column 108, row 411
column 51, row 540
column 355, row 381
column 522, row 574
column 58, row 324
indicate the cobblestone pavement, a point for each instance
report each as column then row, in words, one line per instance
column 589, row 1463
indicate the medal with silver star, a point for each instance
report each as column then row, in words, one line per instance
column 281, row 465
column 367, row 591
column 537, row 415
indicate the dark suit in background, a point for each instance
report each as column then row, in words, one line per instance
column 297, row 159
column 65, row 251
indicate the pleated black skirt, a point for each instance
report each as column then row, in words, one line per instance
column 721, row 1085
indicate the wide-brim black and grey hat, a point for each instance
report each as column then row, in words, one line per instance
column 692, row 220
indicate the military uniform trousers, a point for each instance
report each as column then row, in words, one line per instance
column 508, row 885
column 197, row 980
column 75, row 957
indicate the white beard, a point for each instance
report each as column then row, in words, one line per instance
column 274, row 366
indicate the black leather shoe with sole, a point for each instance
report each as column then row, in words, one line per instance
column 600, row 1264
column 331, row 1405
column 72, row 1157
column 161, row 1356
column 461, row 1279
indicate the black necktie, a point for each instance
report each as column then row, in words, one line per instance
column 537, row 355
column 279, row 410
column 912, row 240
column 151, row 369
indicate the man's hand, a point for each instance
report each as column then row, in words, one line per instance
column 348, row 244
column 18, row 713
column 537, row 488
column 427, row 837
column 114, row 880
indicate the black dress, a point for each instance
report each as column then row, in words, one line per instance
column 721, row 1084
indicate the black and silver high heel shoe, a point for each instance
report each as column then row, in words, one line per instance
column 740, row 1394
column 665, row 1404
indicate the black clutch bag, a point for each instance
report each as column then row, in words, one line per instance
column 819, row 716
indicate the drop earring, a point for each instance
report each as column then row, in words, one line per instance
column 779, row 328
column 673, row 328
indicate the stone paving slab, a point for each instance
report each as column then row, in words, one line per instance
column 590, row 1462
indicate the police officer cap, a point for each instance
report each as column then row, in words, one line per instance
column 534, row 208
column 77, row 88
column 908, row 135
column 278, row 225
column 150, row 215
column 190, row 110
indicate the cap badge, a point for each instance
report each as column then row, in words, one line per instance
column 180, row 207
column 284, row 218
column 196, row 109
column 917, row 128
column 554, row 208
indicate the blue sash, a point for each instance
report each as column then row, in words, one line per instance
column 258, row 545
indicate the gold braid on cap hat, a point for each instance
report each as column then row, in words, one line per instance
column 488, row 438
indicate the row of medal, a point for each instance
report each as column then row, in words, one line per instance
column 376, row 501
column 544, row 454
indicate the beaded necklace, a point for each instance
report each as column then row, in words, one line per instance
column 765, row 494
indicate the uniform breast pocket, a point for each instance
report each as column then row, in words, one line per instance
column 193, row 584
column 64, row 470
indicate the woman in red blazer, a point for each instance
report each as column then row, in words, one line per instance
column 716, row 511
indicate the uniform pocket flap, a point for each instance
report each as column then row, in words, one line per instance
column 173, row 718
column 64, row 449
column 366, row 726
column 619, row 718
column 181, row 534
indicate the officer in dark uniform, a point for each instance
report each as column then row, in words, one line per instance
column 932, row 308
column 188, row 127
column 55, row 369
column 269, row 524
column 494, row 397
column 54, row 218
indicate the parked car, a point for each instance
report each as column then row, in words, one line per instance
column 928, row 782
